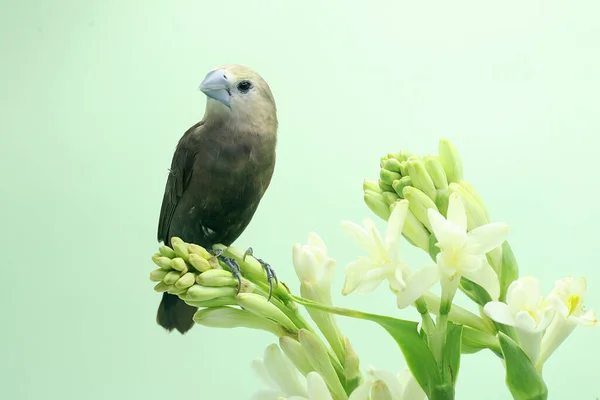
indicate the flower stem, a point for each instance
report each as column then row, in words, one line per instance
column 428, row 325
column 439, row 337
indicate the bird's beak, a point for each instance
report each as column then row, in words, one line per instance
column 216, row 86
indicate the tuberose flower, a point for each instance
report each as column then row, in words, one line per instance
column 525, row 309
column 567, row 297
column 366, row 273
column 285, row 381
column 314, row 267
column 463, row 253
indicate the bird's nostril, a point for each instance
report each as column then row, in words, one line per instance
column 224, row 76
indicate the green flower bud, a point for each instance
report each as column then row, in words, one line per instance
column 390, row 197
column 161, row 287
column 415, row 232
column 442, row 200
column 388, row 177
column 179, row 265
column 218, row 302
column 217, row 278
column 229, row 317
column 420, row 178
column 158, row 275
column 405, row 155
column 167, row 251
column 371, row 185
column 384, row 186
column 172, row 289
column 399, row 185
column 475, row 214
column 163, row 262
column 403, row 168
column 203, row 293
column 294, row 351
column 392, row 165
column 171, row 277
column 436, row 171
column 377, row 204
column 471, row 190
column 180, row 247
column 352, row 372
column 259, row 305
column 419, row 203
column 199, row 250
column 186, row 281
column 200, row 263
column 451, row 161
column 317, row 355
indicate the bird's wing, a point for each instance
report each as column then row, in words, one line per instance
column 178, row 180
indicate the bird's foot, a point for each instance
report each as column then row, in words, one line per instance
column 270, row 271
column 233, row 265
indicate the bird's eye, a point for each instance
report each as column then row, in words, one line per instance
column 244, row 86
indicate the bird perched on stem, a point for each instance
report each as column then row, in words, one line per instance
column 221, row 168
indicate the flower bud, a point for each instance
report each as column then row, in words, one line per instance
column 171, row 277
column 405, row 155
column 163, row 262
column 388, row 177
column 158, row 275
column 185, row 281
column 259, row 305
column 294, row 351
column 218, row 302
column 419, row 203
column 179, row 265
column 377, row 204
column 471, row 190
column 436, row 171
column 384, row 186
column 392, row 164
column 371, row 185
column 203, row 293
column 161, row 287
column 180, row 247
column 352, row 372
column 229, row 317
column 200, row 263
column 167, row 251
column 475, row 215
column 399, row 185
column 217, row 278
column 199, row 250
column 450, row 161
column 390, row 197
column 420, row 178
column 415, row 232
column 316, row 352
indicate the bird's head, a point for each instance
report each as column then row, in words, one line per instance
column 239, row 97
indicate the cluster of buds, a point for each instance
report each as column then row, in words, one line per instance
column 201, row 279
column 427, row 182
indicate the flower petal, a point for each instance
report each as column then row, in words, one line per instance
column 362, row 391
column 525, row 321
column 391, row 381
column 372, row 279
column 355, row 271
column 486, row 278
column 317, row 388
column 524, row 293
column 316, row 241
column 412, row 390
column 487, row 237
column 283, row 372
column 395, row 223
column 417, row 283
column 499, row 312
column 456, row 211
column 359, row 235
column 261, row 371
column 305, row 263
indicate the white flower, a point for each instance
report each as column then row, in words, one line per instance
column 462, row 253
column 314, row 267
column 384, row 385
column 366, row 273
column 567, row 296
column 284, row 380
column 525, row 309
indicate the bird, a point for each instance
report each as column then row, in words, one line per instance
column 220, row 170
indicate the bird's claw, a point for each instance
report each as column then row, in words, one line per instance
column 270, row 271
column 234, row 267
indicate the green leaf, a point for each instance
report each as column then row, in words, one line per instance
column 509, row 271
column 417, row 354
column 475, row 292
column 452, row 349
column 522, row 379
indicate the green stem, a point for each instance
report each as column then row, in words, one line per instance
column 336, row 310
column 428, row 325
column 439, row 338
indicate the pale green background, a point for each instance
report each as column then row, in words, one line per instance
column 95, row 95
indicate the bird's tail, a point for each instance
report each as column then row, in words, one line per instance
column 174, row 313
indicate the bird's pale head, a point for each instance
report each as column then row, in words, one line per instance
column 239, row 97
